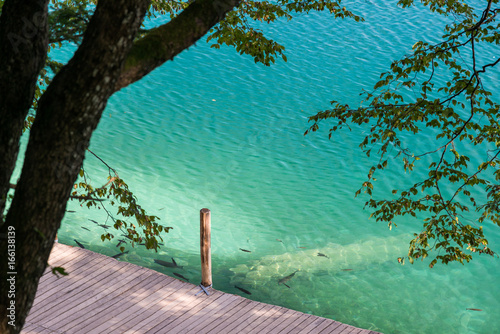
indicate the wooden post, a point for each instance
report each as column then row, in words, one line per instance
column 206, row 257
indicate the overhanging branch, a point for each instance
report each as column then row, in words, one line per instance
column 165, row 42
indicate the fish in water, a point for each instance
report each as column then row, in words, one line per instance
column 347, row 269
column 474, row 309
column 245, row 250
column 101, row 225
column 279, row 240
column 175, row 263
column 70, row 211
column 302, row 247
column 120, row 241
column 119, row 254
column 179, row 275
column 243, row 290
column 286, row 279
column 85, row 228
column 172, row 264
column 79, row 244
column 323, row 255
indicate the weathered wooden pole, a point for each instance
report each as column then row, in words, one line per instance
column 206, row 256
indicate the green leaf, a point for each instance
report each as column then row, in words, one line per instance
column 59, row 271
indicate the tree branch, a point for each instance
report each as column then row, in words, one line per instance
column 165, row 42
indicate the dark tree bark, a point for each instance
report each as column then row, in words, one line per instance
column 67, row 114
column 23, row 49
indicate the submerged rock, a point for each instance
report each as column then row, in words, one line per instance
column 343, row 260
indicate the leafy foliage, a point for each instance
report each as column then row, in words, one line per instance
column 240, row 28
column 411, row 100
column 68, row 21
column 117, row 193
column 237, row 31
column 59, row 271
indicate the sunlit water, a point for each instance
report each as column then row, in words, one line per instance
column 212, row 129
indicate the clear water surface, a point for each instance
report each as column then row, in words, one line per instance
column 212, row 129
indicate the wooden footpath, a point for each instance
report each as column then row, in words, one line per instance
column 103, row 295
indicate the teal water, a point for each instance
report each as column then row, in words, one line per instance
column 212, row 129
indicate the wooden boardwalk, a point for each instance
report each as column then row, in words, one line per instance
column 103, row 295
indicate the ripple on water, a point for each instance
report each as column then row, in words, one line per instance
column 213, row 129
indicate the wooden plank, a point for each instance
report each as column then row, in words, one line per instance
column 253, row 318
column 243, row 319
column 199, row 314
column 31, row 328
column 207, row 314
column 351, row 330
column 140, row 310
column 62, row 255
column 175, row 302
column 133, row 301
column 343, row 329
column 217, row 313
column 69, row 256
column 101, row 300
column 80, row 265
column 79, row 285
column 274, row 327
column 292, row 323
column 355, row 331
column 228, row 324
column 152, row 315
column 58, row 289
column 59, row 253
column 78, row 278
column 270, row 320
column 288, row 318
column 227, row 317
column 318, row 323
column 301, row 328
column 329, row 326
column 261, row 319
column 53, row 283
column 182, row 311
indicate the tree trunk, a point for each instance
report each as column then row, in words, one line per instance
column 23, row 50
column 68, row 112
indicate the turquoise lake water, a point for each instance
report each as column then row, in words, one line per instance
column 212, row 129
